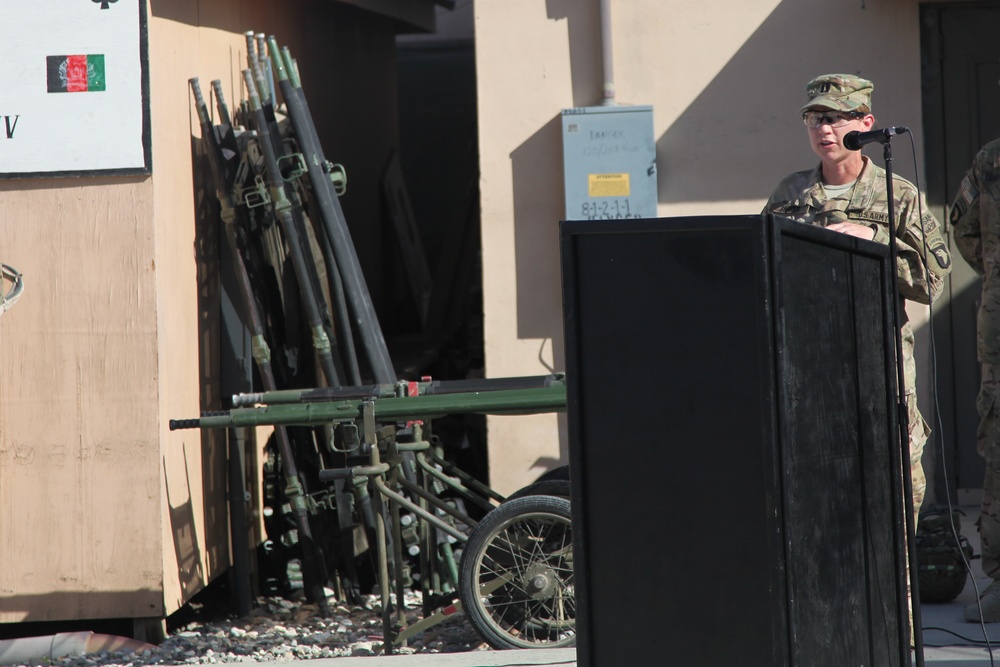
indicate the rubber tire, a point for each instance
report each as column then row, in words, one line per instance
column 509, row 617
column 559, row 472
column 548, row 487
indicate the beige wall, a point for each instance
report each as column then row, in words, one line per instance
column 181, row 49
column 109, row 341
column 725, row 79
column 104, row 512
column 79, row 452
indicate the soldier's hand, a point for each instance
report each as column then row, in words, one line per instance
column 861, row 231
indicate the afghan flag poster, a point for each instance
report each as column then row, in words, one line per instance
column 76, row 74
column 75, row 88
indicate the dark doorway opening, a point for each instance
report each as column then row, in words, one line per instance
column 960, row 61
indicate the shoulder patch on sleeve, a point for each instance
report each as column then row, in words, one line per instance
column 967, row 193
column 929, row 224
column 940, row 253
column 957, row 211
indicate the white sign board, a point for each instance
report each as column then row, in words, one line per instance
column 75, row 88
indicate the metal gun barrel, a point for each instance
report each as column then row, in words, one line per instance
column 292, row 228
column 311, row 553
column 251, row 47
column 401, row 388
column 358, row 296
column 397, row 408
column 220, row 101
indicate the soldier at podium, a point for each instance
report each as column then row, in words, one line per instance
column 847, row 193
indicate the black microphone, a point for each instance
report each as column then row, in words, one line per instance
column 853, row 141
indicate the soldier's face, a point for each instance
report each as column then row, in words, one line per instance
column 827, row 129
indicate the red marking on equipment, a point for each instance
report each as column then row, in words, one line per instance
column 413, row 389
column 449, row 610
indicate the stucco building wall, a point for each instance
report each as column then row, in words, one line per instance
column 106, row 513
column 725, row 79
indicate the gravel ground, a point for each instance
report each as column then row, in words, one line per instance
column 279, row 630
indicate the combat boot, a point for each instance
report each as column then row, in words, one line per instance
column 989, row 601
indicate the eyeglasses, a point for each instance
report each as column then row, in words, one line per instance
column 815, row 119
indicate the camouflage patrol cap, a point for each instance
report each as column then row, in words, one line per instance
column 840, row 92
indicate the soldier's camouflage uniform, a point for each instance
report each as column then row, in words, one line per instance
column 975, row 216
column 802, row 197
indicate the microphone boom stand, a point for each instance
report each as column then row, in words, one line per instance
column 902, row 419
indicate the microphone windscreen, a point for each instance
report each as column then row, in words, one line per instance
column 851, row 142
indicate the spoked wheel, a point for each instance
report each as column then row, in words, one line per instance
column 516, row 575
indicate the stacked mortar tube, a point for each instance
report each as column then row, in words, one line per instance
column 337, row 469
column 285, row 229
column 345, row 479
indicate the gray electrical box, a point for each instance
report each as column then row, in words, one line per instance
column 609, row 162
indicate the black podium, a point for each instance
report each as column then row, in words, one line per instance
column 737, row 497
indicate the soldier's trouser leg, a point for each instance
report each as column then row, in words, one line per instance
column 988, row 443
column 918, row 434
column 918, row 430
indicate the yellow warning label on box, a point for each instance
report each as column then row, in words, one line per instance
column 608, row 185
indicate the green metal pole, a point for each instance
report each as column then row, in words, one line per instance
column 510, row 402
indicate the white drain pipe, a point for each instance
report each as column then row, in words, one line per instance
column 607, row 57
column 26, row 650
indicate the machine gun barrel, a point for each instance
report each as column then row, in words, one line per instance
column 395, row 409
column 220, row 100
column 345, row 334
column 291, row 224
column 335, row 225
column 314, row 562
column 401, row 388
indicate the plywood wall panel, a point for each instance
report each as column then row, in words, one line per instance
column 79, row 454
column 104, row 512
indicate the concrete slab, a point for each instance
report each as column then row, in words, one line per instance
column 949, row 641
column 553, row 657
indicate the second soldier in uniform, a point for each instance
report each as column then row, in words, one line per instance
column 975, row 217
